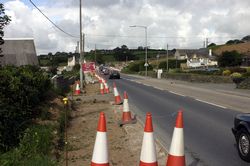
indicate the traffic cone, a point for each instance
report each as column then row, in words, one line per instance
column 176, row 155
column 106, row 86
column 77, row 91
column 148, row 151
column 118, row 100
column 101, row 88
column 126, row 114
column 100, row 152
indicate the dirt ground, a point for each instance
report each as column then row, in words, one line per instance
column 124, row 142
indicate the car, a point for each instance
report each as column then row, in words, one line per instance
column 114, row 74
column 241, row 131
column 106, row 71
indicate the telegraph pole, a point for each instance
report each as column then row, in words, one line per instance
column 81, row 47
column 167, row 58
column 95, row 54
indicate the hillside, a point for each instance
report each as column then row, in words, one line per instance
column 243, row 48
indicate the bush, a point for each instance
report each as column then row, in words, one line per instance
column 34, row 148
column 21, row 89
column 237, row 78
column 226, row 73
column 236, row 69
column 236, row 75
column 248, row 70
column 172, row 63
column 135, row 67
column 228, row 59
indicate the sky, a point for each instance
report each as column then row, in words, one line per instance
column 106, row 23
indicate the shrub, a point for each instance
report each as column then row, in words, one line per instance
column 172, row 63
column 34, row 148
column 236, row 69
column 21, row 89
column 226, row 73
column 248, row 70
column 136, row 67
column 237, row 78
column 236, row 75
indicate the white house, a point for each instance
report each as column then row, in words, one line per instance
column 72, row 61
column 196, row 62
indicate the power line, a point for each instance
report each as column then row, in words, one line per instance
column 170, row 37
column 52, row 21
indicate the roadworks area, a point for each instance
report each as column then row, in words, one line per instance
column 124, row 143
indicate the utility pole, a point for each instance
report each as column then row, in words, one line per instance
column 206, row 42
column 167, row 58
column 146, row 51
column 81, row 46
column 95, row 54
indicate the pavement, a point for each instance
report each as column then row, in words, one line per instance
column 208, row 118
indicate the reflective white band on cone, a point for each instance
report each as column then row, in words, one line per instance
column 177, row 144
column 100, row 154
column 148, row 152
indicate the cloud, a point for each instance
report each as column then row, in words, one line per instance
column 180, row 23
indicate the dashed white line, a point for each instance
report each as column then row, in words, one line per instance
column 211, row 103
column 177, row 94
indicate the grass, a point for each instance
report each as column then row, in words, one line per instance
column 33, row 150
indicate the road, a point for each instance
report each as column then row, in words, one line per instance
column 207, row 128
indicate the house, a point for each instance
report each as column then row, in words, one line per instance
column 197, row 62
column 18, row 52
column 196, row 58
column 72, row 61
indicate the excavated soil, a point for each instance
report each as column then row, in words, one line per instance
column 124, row 142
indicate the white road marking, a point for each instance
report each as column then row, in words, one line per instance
column 177, row 94
column 211, row 103
column 158, row 88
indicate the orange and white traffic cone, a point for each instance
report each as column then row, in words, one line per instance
column 100, row 153
column 126, row 114
column 106, row 86
column 176, row 155
column 118, row 100
column 101, row 88
column 148, row 151
column 77, row 91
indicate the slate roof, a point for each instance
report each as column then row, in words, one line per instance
column 18, row 52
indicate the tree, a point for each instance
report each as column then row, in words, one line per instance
column 4, row 20
column 211, row 45
column 123, row 54
column 229, row 59
column 99, row 59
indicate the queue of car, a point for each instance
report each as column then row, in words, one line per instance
column 113, row 74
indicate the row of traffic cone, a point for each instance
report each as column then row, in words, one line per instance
column 148, row 151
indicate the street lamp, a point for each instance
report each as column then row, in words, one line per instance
column 146, row 47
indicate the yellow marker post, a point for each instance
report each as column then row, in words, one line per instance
column 65, row 102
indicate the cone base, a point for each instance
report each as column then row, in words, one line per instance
column 126, row 116
column 95, row 164
column 148, row 164
column 176, row 160
column 118, row 100
column 77, row 92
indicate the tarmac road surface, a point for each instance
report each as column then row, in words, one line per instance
column 207, row 128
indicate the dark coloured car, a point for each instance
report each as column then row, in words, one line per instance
column 241, row 132
column 114, row 74
column 106, row 71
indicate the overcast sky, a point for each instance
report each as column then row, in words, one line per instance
column 180, row 23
